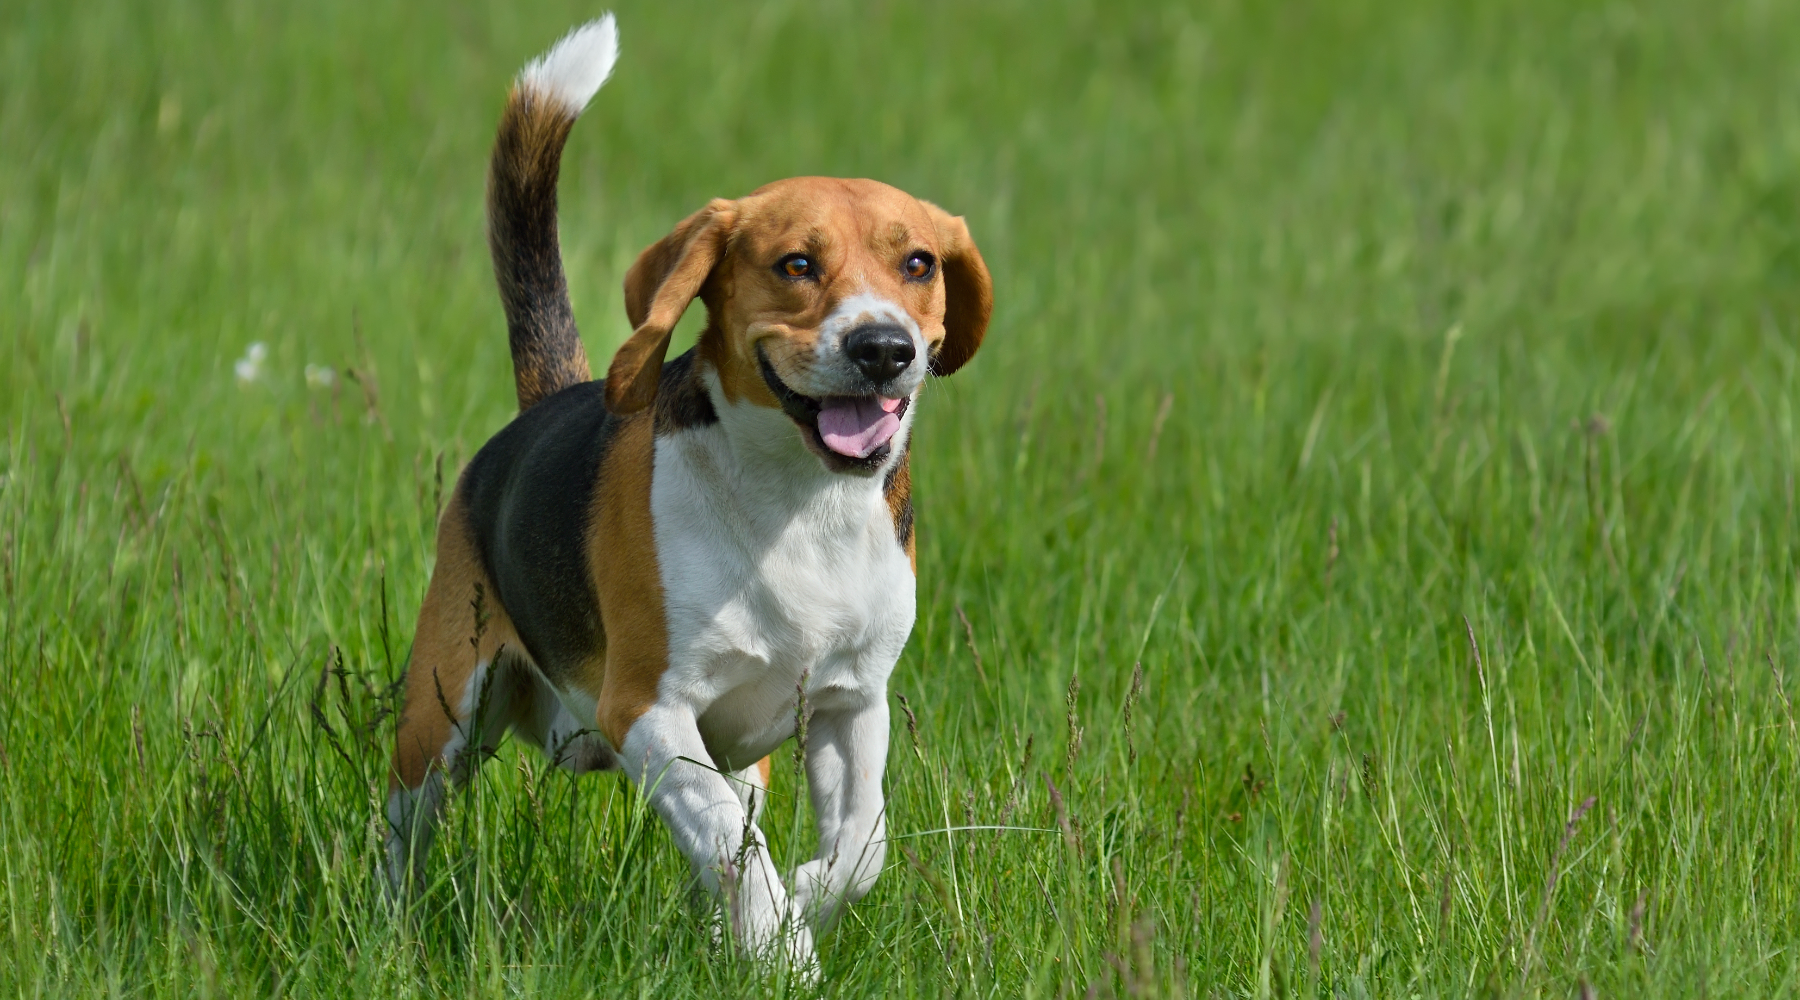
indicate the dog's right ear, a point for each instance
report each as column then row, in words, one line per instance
column 658, row 288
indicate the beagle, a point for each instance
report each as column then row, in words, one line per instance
column 645, row 572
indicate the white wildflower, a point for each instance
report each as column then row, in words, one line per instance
column 320, row 377
column 249, row 367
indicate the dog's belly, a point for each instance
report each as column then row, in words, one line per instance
column 760, row 602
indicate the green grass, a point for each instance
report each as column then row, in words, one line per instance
column 1461, row 324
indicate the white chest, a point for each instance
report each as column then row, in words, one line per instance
column 773, row 577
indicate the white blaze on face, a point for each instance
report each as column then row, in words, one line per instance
column 857, row 310
column 863, row 309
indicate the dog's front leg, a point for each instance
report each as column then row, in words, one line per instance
column 846, row 754
column 664, row 754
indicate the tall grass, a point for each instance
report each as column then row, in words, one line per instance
column 1362, row 559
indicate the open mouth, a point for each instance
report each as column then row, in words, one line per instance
column 849, row 431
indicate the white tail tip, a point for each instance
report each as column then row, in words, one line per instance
column 575, row 67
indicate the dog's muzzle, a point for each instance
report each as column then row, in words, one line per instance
column 851, row 433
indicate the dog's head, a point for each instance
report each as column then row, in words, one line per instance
column 827, row 299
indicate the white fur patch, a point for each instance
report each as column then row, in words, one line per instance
column 834, row 374
column 773, row 568
column 575, row 67
column 777, row 575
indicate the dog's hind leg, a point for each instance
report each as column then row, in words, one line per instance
column 464, row 686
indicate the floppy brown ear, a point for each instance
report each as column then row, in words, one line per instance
column 968, row 293
column 658, row 288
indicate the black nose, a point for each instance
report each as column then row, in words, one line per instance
column 881, row 350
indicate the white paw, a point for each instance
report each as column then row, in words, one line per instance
column 798, row 952
column 822, row 892
column 771, row 929
column 788, row 945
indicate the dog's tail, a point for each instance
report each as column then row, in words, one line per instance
column 547, row 97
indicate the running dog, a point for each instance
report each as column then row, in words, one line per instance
column 656, row 570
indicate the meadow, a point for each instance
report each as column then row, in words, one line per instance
column 1362, row 561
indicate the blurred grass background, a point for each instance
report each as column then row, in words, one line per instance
column 1334, row 343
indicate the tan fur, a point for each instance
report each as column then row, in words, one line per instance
column 622, row 552
column 538, row 505
column 445, row 650
column 658, row 288
column 969, row 293
column 858, row 231
column 899, row 501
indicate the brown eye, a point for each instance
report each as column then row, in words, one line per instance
column 795, row 265
column 919, row 265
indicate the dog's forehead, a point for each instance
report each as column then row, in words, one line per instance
column 836, row 212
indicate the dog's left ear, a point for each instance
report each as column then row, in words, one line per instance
column 658, row 288
column 968, row 292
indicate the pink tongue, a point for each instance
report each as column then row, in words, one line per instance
column 857, row 425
